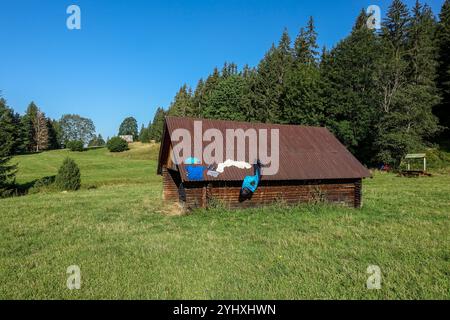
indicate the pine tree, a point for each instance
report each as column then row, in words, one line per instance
column 97, row 141
column 8, row 140
column 284, row 52
column 392, row 72
column 229, row 69
column 100, row 141
column 249, row 75
column 198, row 100
column 422, row 49
column 54, row 134
column 443, row 79
column 226, row 101
column 421, row 88
column 301, row 101
column 349, row 93
column 144, row 135
column 182, row 105
column 392, row 142
column 396, row 25
column 28, row 122
column 203, row 92
column 305, row 46
column 406, row 83
column 270, row 82
column 157, row 125
column 69, row 176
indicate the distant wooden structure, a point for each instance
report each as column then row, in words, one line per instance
column 415, row 173
column 127, row 138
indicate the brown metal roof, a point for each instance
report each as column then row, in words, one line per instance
column 305, row 153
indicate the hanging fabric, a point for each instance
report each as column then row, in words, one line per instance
column 250, row 183
column 195, row 173
column 231, row 163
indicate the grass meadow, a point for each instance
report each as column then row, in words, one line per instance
column 129, row 245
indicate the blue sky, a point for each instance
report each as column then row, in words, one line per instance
column 132, row 56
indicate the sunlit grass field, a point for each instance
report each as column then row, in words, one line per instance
column 117, row 230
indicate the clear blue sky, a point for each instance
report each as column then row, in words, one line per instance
column 132, row 56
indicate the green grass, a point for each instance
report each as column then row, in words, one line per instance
column 99, row 166
column 127, row 247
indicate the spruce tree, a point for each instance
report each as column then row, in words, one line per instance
column 421, row 88
column 229, row 69
column 8, row 140
column 203, row 92
column 198, row 100
column 100, row 141
column 54, row 134
column 443, row 77
column 305, row 46
column 68, row 177
column 144, row 135
column 301, row 102
column 406, row 83
column 270, row 82
column 28, row 132
column 157, row 125
column 348, row 88
column 249, row 75
column 226, row 101
column 182, row 105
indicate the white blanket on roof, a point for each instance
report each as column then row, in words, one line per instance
column 231, row 163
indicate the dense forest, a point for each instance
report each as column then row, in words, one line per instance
column 383, row 92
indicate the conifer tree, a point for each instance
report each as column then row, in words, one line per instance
column 406, row 83
column 301, row 102
column 198, row 99
column 226, row 101
column 157, row 125
column 305, row 46
column 349, row 92
column 203, row 92
column 270, row 83
column 182, row 105
column 54, row 134
column 443, row 76
column 8, row 139
column 144, row 135
column 28, row 127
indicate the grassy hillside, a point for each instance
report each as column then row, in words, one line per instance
column 128, row 247
column 99, row 166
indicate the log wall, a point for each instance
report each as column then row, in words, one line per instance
column 200, row 194
column 171, row 184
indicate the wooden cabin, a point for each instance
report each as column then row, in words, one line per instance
column 312, row 166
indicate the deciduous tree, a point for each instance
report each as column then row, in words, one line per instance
column 129, row 127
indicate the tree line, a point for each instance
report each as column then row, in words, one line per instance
column 383, row 93
column 34, row 132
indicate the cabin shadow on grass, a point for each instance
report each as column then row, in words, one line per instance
column 34, row 186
